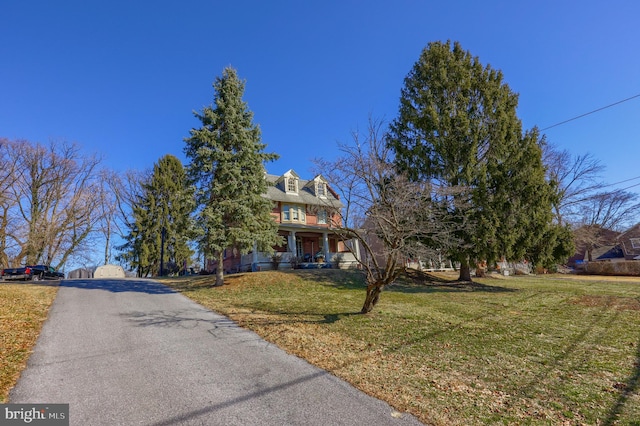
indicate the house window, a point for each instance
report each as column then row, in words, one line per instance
column 321, row 189
column 293, row 213
column 635, row 243
column 322, row 217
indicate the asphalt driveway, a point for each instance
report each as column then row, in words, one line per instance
column 133, row 352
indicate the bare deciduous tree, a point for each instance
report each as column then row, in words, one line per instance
column 390, row 217
column 601, row 213
column 55, row 192
column 127, row 190
column 8, row 177
column 119, row 193
column 577, row 179
column 108, row 225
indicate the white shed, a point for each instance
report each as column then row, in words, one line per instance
column 109, row 271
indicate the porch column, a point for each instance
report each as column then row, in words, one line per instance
column 291, row 242
column 356, row 248
column 254, row 258
column 325, row 245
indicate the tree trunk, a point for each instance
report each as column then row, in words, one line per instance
column 373, row 295
column 220, row 269
column 465, row 271
column 106, row 247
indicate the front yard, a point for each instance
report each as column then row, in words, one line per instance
column 518, row 350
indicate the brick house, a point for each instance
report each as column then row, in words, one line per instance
column 307, row 213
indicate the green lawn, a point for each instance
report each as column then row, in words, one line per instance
column 518, row 350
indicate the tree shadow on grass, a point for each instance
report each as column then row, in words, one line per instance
column 449, row 287
column 411, row 281
column 414, row 281
column 332, row 318
column 627, row 390
column 335, row 278
column 268, row 317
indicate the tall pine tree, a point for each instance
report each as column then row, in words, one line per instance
column 161, row 226
column 227, row 168
column 457, row 127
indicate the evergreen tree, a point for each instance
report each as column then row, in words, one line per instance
column 457, row 127
column 227, row 168
column 161, row 225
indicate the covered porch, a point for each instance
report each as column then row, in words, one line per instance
column 304, row 247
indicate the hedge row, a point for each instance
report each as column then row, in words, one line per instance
column 603, row 267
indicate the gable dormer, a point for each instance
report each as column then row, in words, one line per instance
column 320, row 186
column 291, row 182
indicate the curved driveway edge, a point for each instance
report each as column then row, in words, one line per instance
column 133, row 352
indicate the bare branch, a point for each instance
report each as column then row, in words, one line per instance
column 53, row 197
column 389, row 216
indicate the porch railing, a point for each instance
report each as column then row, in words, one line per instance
column 264, row 261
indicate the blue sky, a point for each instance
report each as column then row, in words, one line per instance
column 121, row 78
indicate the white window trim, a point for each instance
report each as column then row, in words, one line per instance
column 635, row 243
column 296, row 213
column 322, row 217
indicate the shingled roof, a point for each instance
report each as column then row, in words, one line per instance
column 306, row 191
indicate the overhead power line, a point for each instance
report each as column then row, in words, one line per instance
column 591, row 112
column 623, row 181
column 632, row 186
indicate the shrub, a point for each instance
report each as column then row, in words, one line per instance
column 276, row 258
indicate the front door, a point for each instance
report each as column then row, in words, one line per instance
column 299, row 248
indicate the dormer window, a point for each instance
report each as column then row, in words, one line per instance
column 320, row 186
column 292, row 185
column 291, row 180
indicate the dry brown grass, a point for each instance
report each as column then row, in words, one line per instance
column 23, row 309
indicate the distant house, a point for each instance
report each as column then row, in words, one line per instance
column 595, row 242
column 609, row 252
column 308, row 215
column 629, row 242
column 622, row 259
